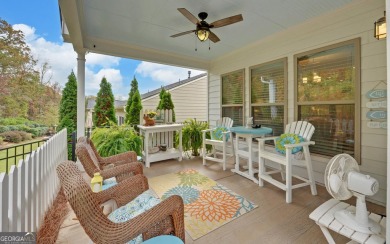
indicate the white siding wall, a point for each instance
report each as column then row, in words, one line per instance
column 355, row 20
column 190, row 100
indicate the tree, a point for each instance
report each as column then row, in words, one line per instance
column 68, row 105
column 166, row 102
column 25, row 89
column 131, row 117
column 104, row 111
column 135, row 109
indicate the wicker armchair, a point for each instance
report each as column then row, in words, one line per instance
column 165, row 218
column 120, row 166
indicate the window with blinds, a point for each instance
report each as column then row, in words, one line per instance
column 328, row 90
column 232, row 88
column 268, row 94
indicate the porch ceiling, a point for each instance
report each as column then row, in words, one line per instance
column 142, row 29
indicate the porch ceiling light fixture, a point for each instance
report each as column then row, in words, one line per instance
column 202, row 34
column 380, row 28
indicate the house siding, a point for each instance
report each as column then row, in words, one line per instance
column 190, row 100
column 353, row 21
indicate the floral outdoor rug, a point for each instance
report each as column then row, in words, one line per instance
column 207, row 204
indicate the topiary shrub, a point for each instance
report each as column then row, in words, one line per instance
column 11, row 136
column 115, row 140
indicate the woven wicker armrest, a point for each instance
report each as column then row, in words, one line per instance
column 126, row 157
column 123, row 171
column 167, row 217
column 124, row 192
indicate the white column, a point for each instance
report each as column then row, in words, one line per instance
column 80, row 94
column 388, row 125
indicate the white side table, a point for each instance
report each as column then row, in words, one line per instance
column 153, row 132
column 324, row 217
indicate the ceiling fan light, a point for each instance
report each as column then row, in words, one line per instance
column 202, row 35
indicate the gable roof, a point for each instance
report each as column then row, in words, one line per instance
column 171, row 86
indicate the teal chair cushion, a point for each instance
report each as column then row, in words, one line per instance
column 140, row 204
column 217, row 133
column 288, row 139
column 109, row 183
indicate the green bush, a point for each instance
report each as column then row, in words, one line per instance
column 192, row 139
column 12, row 136
column 1, row 140
column 13, row 121
column 3, row 128
column 115, row 140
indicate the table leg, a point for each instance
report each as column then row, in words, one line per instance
column 250, row 162
column 146, row 150
column 237, row 164
column 180, row 145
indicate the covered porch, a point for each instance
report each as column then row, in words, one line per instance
column 270, row 32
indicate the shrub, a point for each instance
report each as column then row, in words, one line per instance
column 3, row 128
column 12, row 136
column 1, row 140
column 192, row 136
column 13, row 121
column 25, row 136
column 115, row 140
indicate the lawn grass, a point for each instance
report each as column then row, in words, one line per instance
column 12, row 151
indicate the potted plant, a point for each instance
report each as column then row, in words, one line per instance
column 149, row 118
column 192, row 136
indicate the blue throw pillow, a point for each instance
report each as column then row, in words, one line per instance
column 216, row 133
column 288, row 139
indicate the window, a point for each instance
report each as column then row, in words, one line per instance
column 121, row 120
column 233, row 96
column 328, row 96
column 268, row 94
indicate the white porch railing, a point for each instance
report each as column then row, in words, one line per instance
column 29, row 188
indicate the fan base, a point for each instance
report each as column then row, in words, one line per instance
column 348, row 219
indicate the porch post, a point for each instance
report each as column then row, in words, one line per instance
column 388, row 125
column 80, row 94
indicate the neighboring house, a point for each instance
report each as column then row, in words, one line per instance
column 189, row 97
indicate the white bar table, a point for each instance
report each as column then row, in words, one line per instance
column 248, row 134
column 171, row 152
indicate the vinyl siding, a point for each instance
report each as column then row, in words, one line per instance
column 190, row 100
column 353, row 21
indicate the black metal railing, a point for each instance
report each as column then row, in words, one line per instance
column 11, row 155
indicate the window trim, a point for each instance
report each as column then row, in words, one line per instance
column 285, row 103
column 357, row 101
column 243, row 95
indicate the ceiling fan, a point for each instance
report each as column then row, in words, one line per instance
column 202, row 30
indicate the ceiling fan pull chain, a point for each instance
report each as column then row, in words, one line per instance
column 209, row 44
column 196, row 45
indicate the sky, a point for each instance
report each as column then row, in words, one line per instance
column 40, row 22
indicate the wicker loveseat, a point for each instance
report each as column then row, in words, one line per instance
column 120, row 166
column 167, row 217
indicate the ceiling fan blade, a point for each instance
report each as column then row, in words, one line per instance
column 183, row 33
column 188, row 15
column 226, row 21
column 213, row 37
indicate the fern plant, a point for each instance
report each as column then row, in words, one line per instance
column 192, row 136
column 116, row 139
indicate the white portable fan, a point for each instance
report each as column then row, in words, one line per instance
column 343, row 180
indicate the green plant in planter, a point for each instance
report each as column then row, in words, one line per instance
column 115, row 140
column 192, row 136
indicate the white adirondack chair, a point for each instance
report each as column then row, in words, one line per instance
column 219, row 147
column 304, row 129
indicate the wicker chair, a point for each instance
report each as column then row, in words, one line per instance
column 165, row 218
column 120, row 166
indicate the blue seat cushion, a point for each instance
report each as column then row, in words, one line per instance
column 140, row 204
column 288, row 139
column 109, row 183
column 217, row 133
